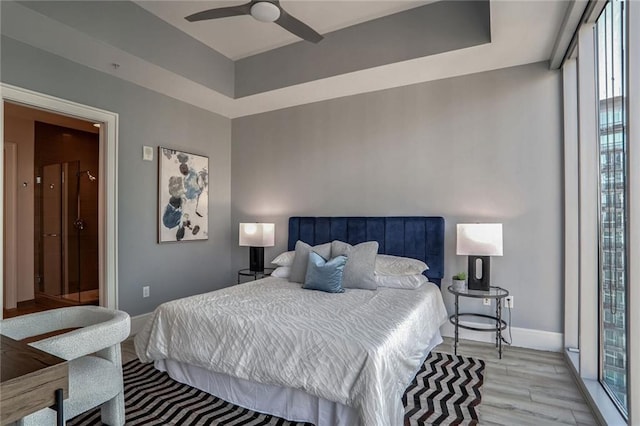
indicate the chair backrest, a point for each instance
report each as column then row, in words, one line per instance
column 100, row 328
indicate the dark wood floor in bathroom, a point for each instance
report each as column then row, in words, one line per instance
column 38, row 304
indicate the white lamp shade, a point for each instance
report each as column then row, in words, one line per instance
column 257, row 234
column 479, row 239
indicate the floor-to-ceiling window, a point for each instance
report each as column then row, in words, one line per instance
column 613, row 191
column 601, row 73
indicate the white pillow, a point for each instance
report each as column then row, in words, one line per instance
column 284, row 259
column 281, row 272
column 301, row 259
column 405, row 282
column 395, row 265
column 361, row 260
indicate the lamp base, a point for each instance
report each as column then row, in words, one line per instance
column 483, row 263
column 256, row 259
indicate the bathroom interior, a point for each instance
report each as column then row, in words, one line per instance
column 51, row 255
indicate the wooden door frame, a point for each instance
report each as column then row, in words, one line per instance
column 107, row 179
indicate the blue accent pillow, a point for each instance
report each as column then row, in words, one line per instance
column 324, row 275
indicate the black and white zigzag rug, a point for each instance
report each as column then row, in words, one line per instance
column 445, row 391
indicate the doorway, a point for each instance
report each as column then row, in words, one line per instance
column 50, row 173
column 83, row 268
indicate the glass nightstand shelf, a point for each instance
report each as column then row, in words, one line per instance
column 256, row 275
column 497, row 293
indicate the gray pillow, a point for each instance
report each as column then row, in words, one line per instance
column 301, row 259
column 361, row 264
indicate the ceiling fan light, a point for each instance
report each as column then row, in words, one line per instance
column 265, row 11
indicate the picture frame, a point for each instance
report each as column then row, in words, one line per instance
column 183, row 196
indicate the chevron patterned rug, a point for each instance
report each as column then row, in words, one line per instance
column 445, row 391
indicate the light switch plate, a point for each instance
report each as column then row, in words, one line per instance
column 147, row 153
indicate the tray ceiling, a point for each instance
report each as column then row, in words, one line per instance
column 153, row 52
column 241, row 36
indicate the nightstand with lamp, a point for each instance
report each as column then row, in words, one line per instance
column 479, row 241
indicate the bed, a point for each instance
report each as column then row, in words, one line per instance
column 310, row 356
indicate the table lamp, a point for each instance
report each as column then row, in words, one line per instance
column 479, row 241
column 257, row 236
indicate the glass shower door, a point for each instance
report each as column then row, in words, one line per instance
column 60, row 250
column 51, row 226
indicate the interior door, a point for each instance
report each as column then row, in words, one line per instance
column 52, row 229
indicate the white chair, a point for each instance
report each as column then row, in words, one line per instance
column 93, row 352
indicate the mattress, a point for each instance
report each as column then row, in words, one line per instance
column 359, row 348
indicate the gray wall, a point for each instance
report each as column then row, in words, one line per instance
column 129, row 27
column 484, row 147
column 145, row 118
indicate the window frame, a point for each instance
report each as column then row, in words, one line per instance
column 633, row 104
column 619, row 258
column 581, row 220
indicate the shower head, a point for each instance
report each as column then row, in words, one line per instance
column 91, row 177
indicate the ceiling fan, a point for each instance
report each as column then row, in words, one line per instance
column 264, row 11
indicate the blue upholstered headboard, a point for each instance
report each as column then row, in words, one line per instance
column 418, row 237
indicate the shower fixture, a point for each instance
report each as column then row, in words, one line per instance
column 91, row 177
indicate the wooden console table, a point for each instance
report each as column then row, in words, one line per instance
column 30, row 381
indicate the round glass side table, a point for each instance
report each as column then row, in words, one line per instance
column 497, row 293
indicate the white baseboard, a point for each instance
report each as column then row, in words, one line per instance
column 138, row 322
column 522, row 337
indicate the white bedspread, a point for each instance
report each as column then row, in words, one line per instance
column 360, row 348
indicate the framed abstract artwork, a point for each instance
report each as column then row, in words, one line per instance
column 183, row 196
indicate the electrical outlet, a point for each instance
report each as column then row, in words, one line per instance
column 145, row 291
column 508, row 302
column 486, row 301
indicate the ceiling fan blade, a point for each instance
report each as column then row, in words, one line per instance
column 221, row 12
column 297, row 27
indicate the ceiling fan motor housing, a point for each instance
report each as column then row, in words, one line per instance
column 265, row 11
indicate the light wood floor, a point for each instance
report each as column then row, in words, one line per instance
column 128, row 351
column 525, row 387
